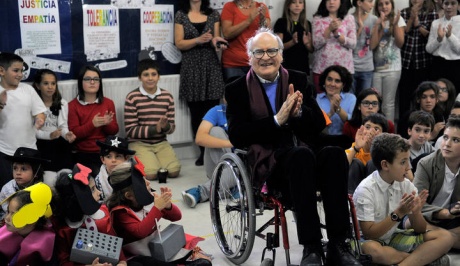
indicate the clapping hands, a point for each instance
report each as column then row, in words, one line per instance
column 103, row 120
column 291, row 107
column 163, row 200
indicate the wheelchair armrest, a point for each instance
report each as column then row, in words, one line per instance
column 241, row 151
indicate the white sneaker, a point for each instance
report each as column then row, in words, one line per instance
column 189, row 199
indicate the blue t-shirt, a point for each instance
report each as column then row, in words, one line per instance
column 217, row 117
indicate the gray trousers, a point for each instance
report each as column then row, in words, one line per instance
column 211, row 159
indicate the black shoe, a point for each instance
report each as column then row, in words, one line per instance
column 199, row 161
column 312, row 256
column 340, row 254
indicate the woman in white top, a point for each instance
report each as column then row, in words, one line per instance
column 444, row 44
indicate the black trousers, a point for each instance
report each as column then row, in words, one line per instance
column 410, row 79
column 6, row 169
column 298, row 174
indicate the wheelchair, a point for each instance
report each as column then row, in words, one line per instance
column 234, row 206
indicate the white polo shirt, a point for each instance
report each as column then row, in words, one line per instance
column 375, row 199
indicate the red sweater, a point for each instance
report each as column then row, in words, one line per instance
column 131, row 228
column 81, row 124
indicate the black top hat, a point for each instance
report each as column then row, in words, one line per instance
column 28, row 155
column 114, row 143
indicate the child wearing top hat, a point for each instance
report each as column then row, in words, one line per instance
column 114, row 151
column 27, row 171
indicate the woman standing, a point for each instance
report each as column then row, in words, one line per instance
column 334, row 37
column 197, row 35
column 444, row 44
column 295, row 31
column 240, row 20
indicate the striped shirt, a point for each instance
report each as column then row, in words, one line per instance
column 143, row 113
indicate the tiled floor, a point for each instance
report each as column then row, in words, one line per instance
column 197, row 222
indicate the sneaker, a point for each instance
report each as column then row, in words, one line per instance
column 235, row 193
column 442, row 261
column 191, row 197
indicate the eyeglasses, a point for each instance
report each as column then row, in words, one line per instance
column 443, row 89
column 367, row 103
column 272, row 52
column 88, row 79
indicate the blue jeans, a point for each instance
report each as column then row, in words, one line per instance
column 362, row 80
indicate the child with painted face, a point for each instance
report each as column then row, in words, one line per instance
column 135, row 209
column 77, row 206
column 29, row 238
column 27, row 170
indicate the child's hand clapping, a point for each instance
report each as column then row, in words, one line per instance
column 163, row 201
column 162, row 124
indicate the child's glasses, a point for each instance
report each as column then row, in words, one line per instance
column 367, row 103
column 88, row 79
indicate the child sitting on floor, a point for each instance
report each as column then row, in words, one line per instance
column 384, row 198
column 27, row 170
column 27, row 238
column 134, row 212
column 114, row 151
column 77, row 207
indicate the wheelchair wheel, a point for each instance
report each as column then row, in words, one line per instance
column 233, row 208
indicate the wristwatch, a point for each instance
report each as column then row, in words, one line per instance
column 395, row 217
column 337, row 35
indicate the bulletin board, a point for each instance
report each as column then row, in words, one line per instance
column 64, row 35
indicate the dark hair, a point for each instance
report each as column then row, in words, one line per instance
column 421, row 118
column 23, row 198
column 378, row 119
column 386, row 146
column 302, row 17
column 7, row 59
column 37, row 172
column 56, row 104
column 451, row 91
column 391, row 16
column 344, row 74
column 204, row 7
column 427, row 6
column 453, row 122
column 418, row 93
column 356, row 116
column 66, row 201
column 81, row 75
column 322, row 11
column 145, row 64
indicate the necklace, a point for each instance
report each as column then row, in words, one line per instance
column 245, row 7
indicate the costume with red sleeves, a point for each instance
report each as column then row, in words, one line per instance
column 131, row 227
column 66, row 235
column 81, row 124
column 34, row 249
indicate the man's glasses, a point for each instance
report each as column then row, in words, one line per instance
column 272, row 52
column 367, row 103
column 88, row 79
